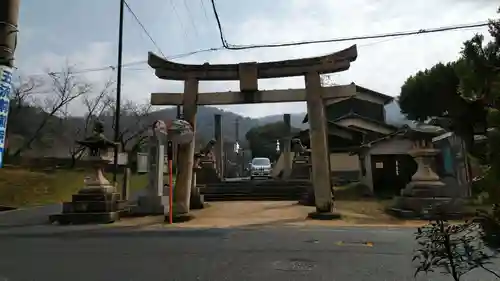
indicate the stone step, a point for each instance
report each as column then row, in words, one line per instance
column 410, row 214
column 253, row 191
column 424, row 205
column 92, row 197
column 428, row 192
column 93, row 206
column 258, row 186
column 240, row 197
column 83, row 218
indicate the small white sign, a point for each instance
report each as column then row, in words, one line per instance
column 165, row 201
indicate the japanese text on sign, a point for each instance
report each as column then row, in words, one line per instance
column 5, row 88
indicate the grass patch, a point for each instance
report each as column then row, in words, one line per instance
column 21, row 187
column 366, row 211
column 352, row 192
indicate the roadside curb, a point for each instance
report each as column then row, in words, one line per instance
column 6, row 209
column 22, row 209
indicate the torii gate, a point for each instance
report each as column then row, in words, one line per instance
column 248, row 74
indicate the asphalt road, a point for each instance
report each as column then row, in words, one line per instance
column 62, row 253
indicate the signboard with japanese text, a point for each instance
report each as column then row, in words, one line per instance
column 5, row 88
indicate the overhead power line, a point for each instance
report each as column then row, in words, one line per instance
column 204, row 9
column 189, row 13
column 340, row 39
column 128, row 64
column 179, row 18
column 143, row 28
column 395, row 35
column 362, row 37
column 219, row 26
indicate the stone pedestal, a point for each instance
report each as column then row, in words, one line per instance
column 207, row 173
column 425, row 196
column 301, row 168
column 197, row 199
column 97, row 202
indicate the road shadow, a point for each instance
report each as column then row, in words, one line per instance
column 58, row 232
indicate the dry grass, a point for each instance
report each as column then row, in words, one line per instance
column 20, row 187
column 365, row 211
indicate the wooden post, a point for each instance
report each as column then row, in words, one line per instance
column 219, row 146
column 287, row 162
column 319, row 150
column 186, row 151
column 127, row 173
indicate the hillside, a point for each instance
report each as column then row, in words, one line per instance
column 393, row 115
column 59, row 134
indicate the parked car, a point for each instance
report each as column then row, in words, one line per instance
column 260, row 168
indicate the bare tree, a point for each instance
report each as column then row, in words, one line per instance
column 63, row 88
column 135, row 121
column 23, row 91
column 132, row 135
column 95, row 105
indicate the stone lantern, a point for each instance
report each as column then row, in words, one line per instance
column 98, row 147
column 425, row 194
column 98, row 200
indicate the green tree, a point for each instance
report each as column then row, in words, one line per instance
column 455, row 247
column 479, row 74
column 262, row 139
column 430, row 93
column 435, row 92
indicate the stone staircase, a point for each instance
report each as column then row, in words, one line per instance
column 276, row 190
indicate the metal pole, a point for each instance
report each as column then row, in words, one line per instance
column 118, row 90
column 9, row 17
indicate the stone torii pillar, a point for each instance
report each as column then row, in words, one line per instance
column 185, row 153
column 319, row 145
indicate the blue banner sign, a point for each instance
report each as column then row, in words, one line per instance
column 5, row 88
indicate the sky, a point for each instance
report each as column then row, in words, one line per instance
column 84, row 34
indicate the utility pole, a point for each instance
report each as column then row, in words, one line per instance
column 118, row 94
column 9, row 17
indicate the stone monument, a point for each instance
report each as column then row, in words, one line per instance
column 425, row 193
column 208, row 165
column 98, row 200
column 197, row 199
column 301, row 166
column 301, row 169
column 151, row 203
